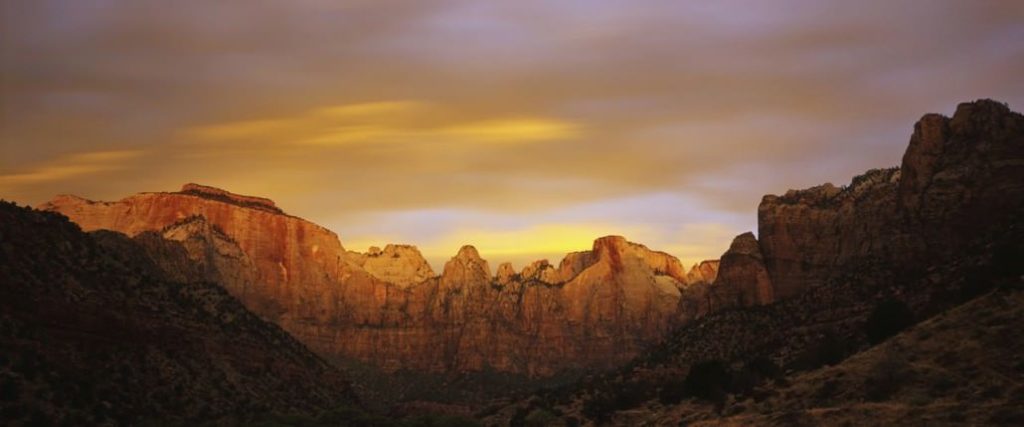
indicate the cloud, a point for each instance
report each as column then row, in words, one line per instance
column 69, row 167
column 385, row 122
column 311, row 121
column 568, row 113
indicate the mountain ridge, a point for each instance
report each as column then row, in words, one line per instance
column 940, row 230
column 298, row 274
column 94, row 333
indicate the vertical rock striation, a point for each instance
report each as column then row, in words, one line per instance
column 595, row 309
column 960, row 177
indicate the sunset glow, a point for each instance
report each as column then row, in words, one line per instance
column 525, row 128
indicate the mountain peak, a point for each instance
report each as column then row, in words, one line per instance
column 215, row 193
column 398, row 264
column 745, row 244
column 468, row 252
column 609, row 242
column 466, row 269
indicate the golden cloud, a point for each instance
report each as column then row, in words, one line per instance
column 71, row 166
column 513, row 130
column 385, row 121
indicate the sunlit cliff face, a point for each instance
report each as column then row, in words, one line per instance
column 524, row 128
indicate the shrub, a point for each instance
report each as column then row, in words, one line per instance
column 439, row 421
column 754, row 372
column 541, row 418
column 597, row 407
column 827, row 351
column 9, row 390
column 1007, row 260
column 708, row 380
column 631, row 394
column 672, row 392
column 350, row 416
column 888, row 318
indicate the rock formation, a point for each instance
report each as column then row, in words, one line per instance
column 401, row 265
column 959, row 175
column 295, row 260
column 943, row 228
column 466, row 270
column 386, row 307
column 505, row 274
column 743, row 280
column 542, row 271
column 739, row 279
column 705, row 272
column 94, row 333
column 953, row 174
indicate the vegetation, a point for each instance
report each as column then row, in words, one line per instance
column 348, row 416
column 888, row 318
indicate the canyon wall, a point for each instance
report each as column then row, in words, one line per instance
column 960, row 177
column 596, row 309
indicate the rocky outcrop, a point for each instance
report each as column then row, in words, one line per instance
column 943, row 228
column 703, row 273
column 960, row 177
column 542, row 271
column 466, row 270
column 401, row 265
column 292, row 257
column 573, row 264
column 95, row 334
column 505, row 274
column 806, row 233
column 228, row 197
column 627, row 286
column 612, row 249
column 740, row 280
column 386, row 307
column 291, row 272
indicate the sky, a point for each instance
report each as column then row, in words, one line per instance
column 526, row 128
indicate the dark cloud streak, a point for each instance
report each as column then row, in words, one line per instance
column 723, row 101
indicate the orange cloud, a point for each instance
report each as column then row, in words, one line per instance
column 385, row 122
column 70, row 166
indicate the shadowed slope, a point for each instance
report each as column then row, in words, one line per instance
column 92, row 332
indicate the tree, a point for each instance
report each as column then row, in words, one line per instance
column 708, row 380
column 888, row 318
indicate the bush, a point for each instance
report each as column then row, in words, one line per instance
column 672, row 392
column 9, row 390
column 887, row 319
column 440, row 421
column 350, row 416
column 541, row 418
column 755, row 372
column 631, row 394
column 828, row 351
column 1007, row 260
column 708, row 380
column 598, row 406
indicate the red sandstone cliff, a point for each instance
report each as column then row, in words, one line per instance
column 960, row 177
column 739, row 280
column 598, row 308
